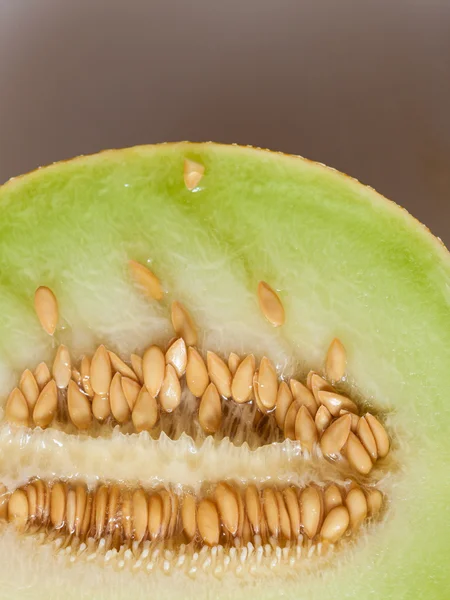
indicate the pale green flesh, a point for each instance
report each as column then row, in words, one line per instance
column 346, row 263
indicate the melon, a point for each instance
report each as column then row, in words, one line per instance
column 222, row 374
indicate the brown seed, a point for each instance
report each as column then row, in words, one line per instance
column 197, row 377
column 270, row 304
column 241, row 513
column 153, row 365
column 113, row 505
column 355, row 419
column 253, row 507
column 174, row 515
column 101, row 503
column 46, row 307
column 241, row 386
column 233, row 363
column 3, row 502
column 136, row 363
column 80, row 503
column 32, row 501
column 101, row 371
column 79, row 407
column 318, row 383
column 166, row 500
column 271, row 511
column 336, row 361
column 357, row 455
column 145, row 412
column 46, row 406
column 147, row 280
column 284, row 400
column 176, row 356
column 335, row 436
column 310, row 510
column 140, row 515
column 18, row 509
column 127, row 519
column 305, row 428
column 58, row 505
column 40, row 500
column 357, row 507
column 336, row 402
column 285, row 524
column 289, row 423
column 335, row 525
column 155, row 513
column 374, row 502
column 62, row 367
column 332, row 497
column 183, row 324
column 42, row 375
column 210, row 410
column 119, row 405
column 259, row 404
column 246, row 535
column 119, row 366
column 380, row 435
column 188, row 516
column 267, row 383
column 131, row 389
column 303, row 396
column 16, row 409
column 293, row 508
column 86, row 522
column 322, row 419
column 71, row 511
column 228, row 507
column 85, row 370
column 101, row 407
column 192, row 173
column 367, row 438
column 219, row 373
column 208, row 522
column 76, row 377
column 309, row 379
column 170, row 394
column 29, row 388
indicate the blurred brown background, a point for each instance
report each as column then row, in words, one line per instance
column 361, row 85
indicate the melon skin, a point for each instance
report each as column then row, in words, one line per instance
column 346, row 263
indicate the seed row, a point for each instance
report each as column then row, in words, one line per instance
column 224, row 515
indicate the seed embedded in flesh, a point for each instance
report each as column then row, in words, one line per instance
column 101, row 407
column 285, row 524
column 267, row 383
column 335, row 436
column 146, row 280
column 253, row 507
column 197, row 377
column 318, row 384
column 332, row 497
column 322, row 419
column 305, row 428
column 284, row 400
column 233, row 362
column 155, row 514
column 46, row 307
column 210, row 410
column 228, row 507
column 219, row 374
column 119, row 366
column 289, row 422
column 101, row 503
column 188, row 516
column 16, row 409
column 57, row 505
column 380, row 435
column 46, row 405
column 335, row 525
column 176, row 356
column 310, row 510
column 80, row 503
column 119, row 405
column 356, row 504
column 183, row 324
column 62, row 367
column 241, row 386
column 145, row 411
column 42, row 375
column 140, row 514
column 303, row 396
column 85, row 371
column 208, row 522
column 79, row 407
column 336, row 361
column 374, row 502
column 127, row 512
column 29, row 388
column 136, row 363
column 336, row 402
column 192, row 173
column 101, row 371
column 293, row 508
column 131, row 389
column 270, row 506
column 170, row 393
column 367, row 438
column 357, row 455
column 154, row 366
column 270, row 304
column 18, row 509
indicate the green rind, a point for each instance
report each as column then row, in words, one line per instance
column 346, row 261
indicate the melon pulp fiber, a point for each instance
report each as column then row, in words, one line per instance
column 346, row 263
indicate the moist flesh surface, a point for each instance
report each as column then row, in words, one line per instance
column 345, row 263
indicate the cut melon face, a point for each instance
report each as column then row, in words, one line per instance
column 345, row 264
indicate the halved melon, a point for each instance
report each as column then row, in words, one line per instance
column 204, row 284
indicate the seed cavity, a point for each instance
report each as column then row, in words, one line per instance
column 270, row 304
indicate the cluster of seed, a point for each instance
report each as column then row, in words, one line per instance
column 106, row 387
column 227, row 515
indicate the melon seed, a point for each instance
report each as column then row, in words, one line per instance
column 305, row 428
column 62, row 367
column 101, row 371
column 146, row 280
column 293, row 508
column 192, row 173
column 57, row 505
column 374, row 502
column 271, row 513
column 29, row 387
column 197, row 377
column 80, row 504
column 253, row 507
column 332, row 497
column 18, row 509
column 284, row 400
column 46, row 307
column 153, row 366
column 16, row 409
column 285, row 524
column 119, row 366
column 42, row 375
column 71, row 509
column 367, row 438
column 101, row 407
column 131, row 389
column 241, row 386
column 78, row 406
column 356, row 504
column 183, row 324
column 170, row 394
column 188, row 516
column 176, row 356
column 228, row 507
column 141, row 514
column 310, row 511
column 136, row 363
column 119, row 405
column 46, row 405
column 145, row 411
column 289, row 422
column 208, row 522
column 357, row 455
column 166, row 512
column 335, row 436
column 267, row 383
column 335, row 524
column 322, row 419
column 210, row 410
column 336, row 361
column 303, row 396
column 233, row 362
column 336, row 402
column 317, row 384
column 380, row 435
column 85, row 371
column 219, row 374
column 270, row 304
